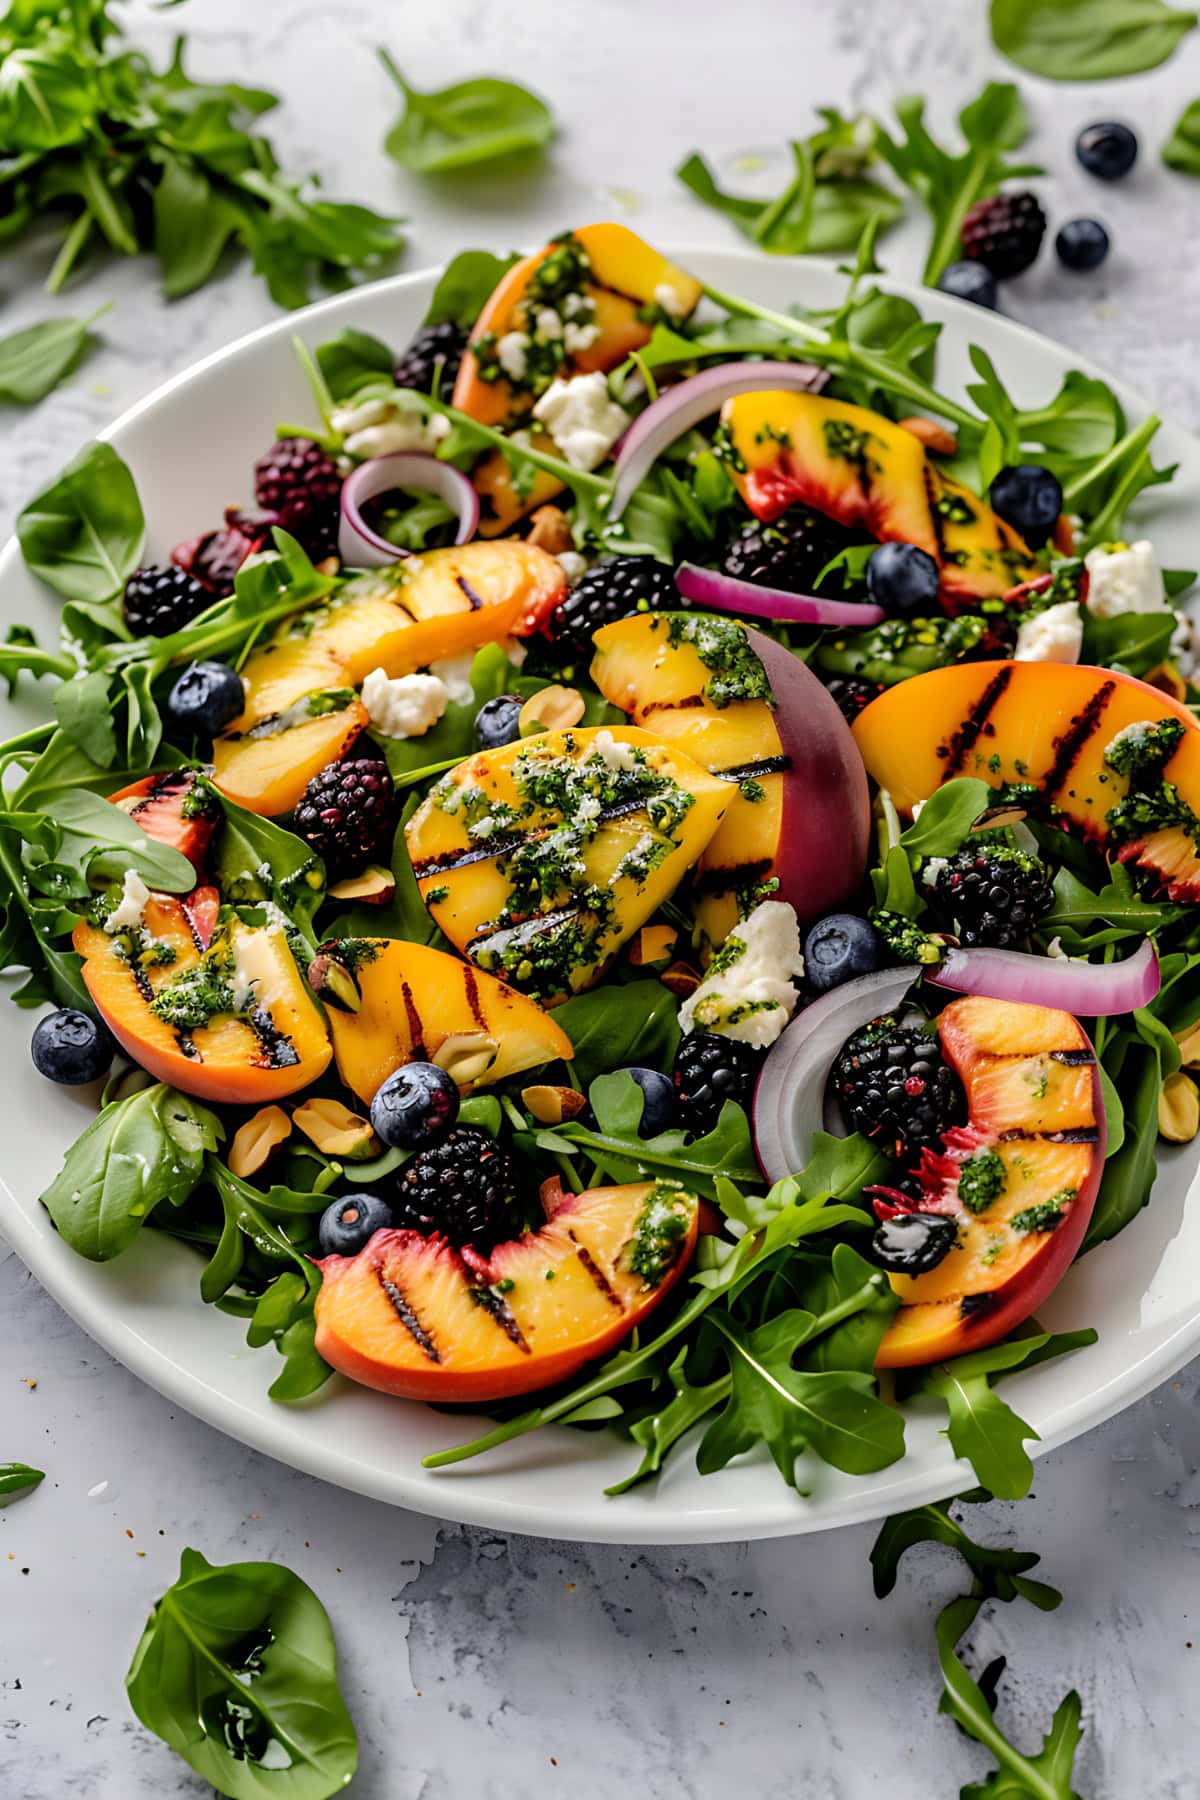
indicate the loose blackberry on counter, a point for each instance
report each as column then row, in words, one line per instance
column 462, row 1188
column 710, row 1069
column 159, row 601
column 991, row 894
column 893, row 1086
column 611, row 589
column 1004, row 233
column 434, row 354
column 789, row 553
column 347, row 814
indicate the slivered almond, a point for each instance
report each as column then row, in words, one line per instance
column 1189, row 1045
column 935, row 437
column 374, row 886
column 1178, row 1109
column 257, row 1140
column 551, row 1105
column 680, row 979
column 549, row 530
column 552, row 709
column 335, row 1130
column 653, row 943
column 467, row 1056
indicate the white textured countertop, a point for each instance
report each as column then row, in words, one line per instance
column 493, row 1667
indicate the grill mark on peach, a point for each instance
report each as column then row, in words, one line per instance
column 717, row 877
column 407, row 1317
column 1074, row 1134
column 976, row 1306
column 1073, row 1059
column 684, row 705
column 596, row 1273
column 1083, row 726
column 498, row 1309
column 955, row 751
column 935, row 518
column 471, row 990
column 529, row 927
column 416, row 1027
column 446, row 861
column 474, row 600
column 765, row 765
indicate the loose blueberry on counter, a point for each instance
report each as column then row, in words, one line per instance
column 970, row 281
column 912, row 1243
column 352, row 1222
column 415, row 1107
column 838, row 948
column 206, row 697
column 903, row 579
column 71, row 1047
column 498, row 722
column 1082, row 244
column 1029, row 498
column 658, row 1109
column 1107, row 149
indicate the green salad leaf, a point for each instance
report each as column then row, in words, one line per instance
column 352, row 360
column 1088, row 40
column 18, row 1479
column 34, row 360
column 1182, row 149
column 84, row 535
column 612, row 1027
column 1048, row 1774
column 236, row 1671
column 465, row 285
column 470, row 122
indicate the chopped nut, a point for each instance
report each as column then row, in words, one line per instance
column 653, row 943
column 681, row 980
column 335, row 1130
column 1189, row 1045
column 551, row 1105
column 935, row 437
column 374, row 886
column 466, row 1055
column 998, row 818
column 552, row 709
column 1179, row 1109
column 333, row 983
column 328, row 565
column 257, row 1140
column 550, row 531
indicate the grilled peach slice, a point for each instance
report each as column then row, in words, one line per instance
column 173, row 809
column 798, row 812
column 538, row 860
column 391, row 1003
column 1021, row 1178
column 1050, row 727
column 412, row 1316
column 267, row 766
column 869, row 473
column 193, row 1038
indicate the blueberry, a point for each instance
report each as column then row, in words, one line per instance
column 351, row 1222
column 658, row 1110
column 498, row 721
column 1029, row 498
column 903, row 579
column 1082, row 244
column 838, row 948
column 415, row 1107
column 914, row 1242
column 969, row 281
column 206, row 697
column 71, row 1047
column 1108, row 150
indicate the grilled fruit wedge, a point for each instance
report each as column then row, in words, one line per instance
column 1106, row 756
column 301, row 710
column 173, row 809
column 412, row 1316
column 538, row 860
column 869, row 473
column 1021, row 1177
column 798, row 812
column 242, row 1025
column 390, row 1003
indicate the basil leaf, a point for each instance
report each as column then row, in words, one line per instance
column 258, row 862
column 35, row 360
column 236, row 1671
column 468, row 123
column 136, row 1154
column 84, row 715
column 1087, row 40
column 352, row 359
column 947, row 817
column 1182, row 149
column 85, row 533
column 613, row 1027
column 103, row 841
column 465, row 287
column 16, row 1479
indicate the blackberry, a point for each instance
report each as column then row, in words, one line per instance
column 1004, row 233
column 710, row 1069
column 158, row 601
column 893, row 1086
column 347, row 814
column 434, row 355
column 994, row 895
column 215, row 557
column 462, row 1188
column 852, row 694
column 789, row 553
column 611, row 589
column 299, row 484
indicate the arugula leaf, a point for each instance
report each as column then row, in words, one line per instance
column 660, row 1431
column 1182, row 149
column 1087, row 40
column 17, row 1479
column 236, row 1671
column 617, row 1101
column 1001, row 1572
column 137, row 1153
column 1048, row 1774
column 35, row 360
column 617, row 1025
column 467, row 123
column 84, row 534
column 465, row 285
column 1135, row 1067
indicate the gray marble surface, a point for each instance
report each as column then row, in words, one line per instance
column 488, row 1666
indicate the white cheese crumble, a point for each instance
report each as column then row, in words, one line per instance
column 612, row 754
column 748, row 994
column 256, row 974
column 511, row 353
column 1055, row 635
column 548, row 324
column 573, row 565
column 1124, row 578
column 579, row 337
column 582, row 420
column 455, row 674
column 127, row 914
column 404, row 706
column 385, row 428
column 932, row 868
column 671, row 300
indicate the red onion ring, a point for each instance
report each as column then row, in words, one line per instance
column 1088, row 990
column 683, row 406
column 362, row 548
column 725, row 593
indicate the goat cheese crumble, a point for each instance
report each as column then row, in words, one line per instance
column 454, row 672
column 748, row 992
column 612, row 754
column 582, row 420
column 127, row 914
column 1124, row 578
column 1055, row 635
column 404, row 706
column 385, row 428
column 671, row 300
column 512, row 353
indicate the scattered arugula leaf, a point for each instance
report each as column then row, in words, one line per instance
column 1047, row 1774
column 33, row 361
column 1087, row 40
column 470, row 122
column 1003, row 1574
column 1182, row 149
column 17, row 1479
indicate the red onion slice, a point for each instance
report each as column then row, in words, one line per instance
column 789, row 1100
column 362, row 548
column 681, row 407
column 725, row 593
column 1088, row 990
